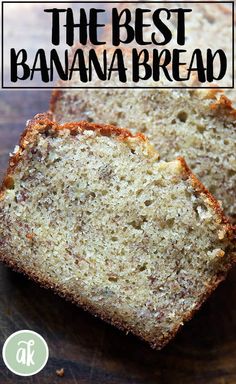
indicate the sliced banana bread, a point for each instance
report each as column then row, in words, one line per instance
column 196, row 124
column 89, row 211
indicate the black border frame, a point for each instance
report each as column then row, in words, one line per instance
column 112, row 2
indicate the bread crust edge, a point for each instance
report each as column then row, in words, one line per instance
column 122, row 326
column 43, row 122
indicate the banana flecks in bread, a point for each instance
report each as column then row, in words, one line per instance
column 99, row 219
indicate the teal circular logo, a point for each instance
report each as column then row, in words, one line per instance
column 25, row 353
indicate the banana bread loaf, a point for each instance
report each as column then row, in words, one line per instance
column 197, row 124
column 89, row 211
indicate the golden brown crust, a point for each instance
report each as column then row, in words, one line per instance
column 55, row 97
column 226, row 103
column 42, row 124
column 223, row 102
column 29, row 273
column 212, row 93
column 200, row 188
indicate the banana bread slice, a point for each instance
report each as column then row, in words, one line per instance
column 197, row 124
column 89, row 211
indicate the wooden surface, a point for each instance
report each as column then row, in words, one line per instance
column 89, row 350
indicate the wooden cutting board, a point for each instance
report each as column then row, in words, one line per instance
column 90, row 351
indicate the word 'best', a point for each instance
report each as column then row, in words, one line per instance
column 87, row 27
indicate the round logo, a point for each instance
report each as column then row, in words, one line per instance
column 25, row 353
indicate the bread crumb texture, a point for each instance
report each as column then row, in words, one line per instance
column 196, row 124
column 92, row 213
